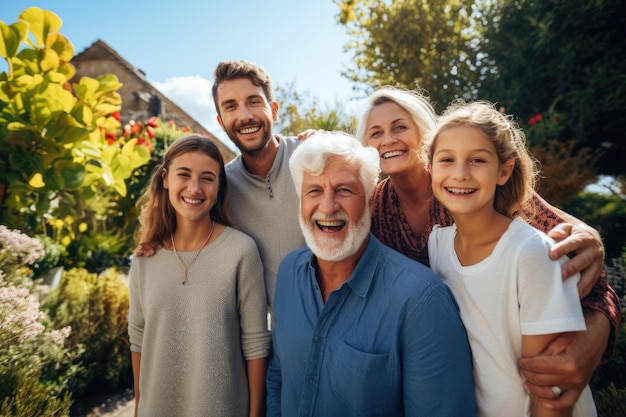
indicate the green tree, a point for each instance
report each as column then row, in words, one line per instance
column 298, row 112
column 569, row 56
column 432, row 45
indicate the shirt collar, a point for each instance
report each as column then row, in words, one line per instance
column 362, row 277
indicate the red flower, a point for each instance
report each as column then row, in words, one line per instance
column 535, row 119
column 150, row 132
column 116, row 115
column 172, row 123
column 110, row 137
column 135, row 129
column 186, row 129
column 142, row 141
column 153, row 122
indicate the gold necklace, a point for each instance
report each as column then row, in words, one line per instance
column 180, row 261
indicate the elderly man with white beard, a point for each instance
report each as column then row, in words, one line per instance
column 361, row 330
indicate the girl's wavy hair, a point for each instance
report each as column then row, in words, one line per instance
column 510, row 142
column 157, row 219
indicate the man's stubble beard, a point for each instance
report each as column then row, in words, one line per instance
column 257, row 151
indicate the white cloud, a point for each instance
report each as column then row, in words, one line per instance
column 193, row 94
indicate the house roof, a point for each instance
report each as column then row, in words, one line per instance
column 100, row 50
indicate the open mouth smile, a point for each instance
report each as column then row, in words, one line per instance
column 330, row 225
column 460, row 191
column 392, row 154
column 192, row 200
column 248, row 130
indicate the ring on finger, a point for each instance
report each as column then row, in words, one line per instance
column 557, row 391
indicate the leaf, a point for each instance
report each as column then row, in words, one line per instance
column 37, row 181
column 109, row 82
column 83, row 114
column 120, row 187
column 56, row 98
column 22, row 82
column 28, row 62
column 139, row 157
column 86, row 88
column 108, row 154
column 66, row 174
column 25, row 163
column 61, row 45
column 41, row 23
column 67, row 69
column 11, row 38
column 49, row 60
column 121, row 168
column 65, row 129
column 57, row 77
column 136, row 155
column 4, row 88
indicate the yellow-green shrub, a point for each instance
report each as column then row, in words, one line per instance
column 96, row 307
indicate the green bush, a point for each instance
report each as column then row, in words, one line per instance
column 604, row 212
column 611, row 401
column 33, row 398
column 96, row 307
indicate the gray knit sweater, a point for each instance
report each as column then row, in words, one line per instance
column 195, row 338
column 266, row 208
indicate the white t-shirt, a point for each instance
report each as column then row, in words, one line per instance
column 514, row 291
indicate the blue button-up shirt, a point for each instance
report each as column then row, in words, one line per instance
column 388, row 342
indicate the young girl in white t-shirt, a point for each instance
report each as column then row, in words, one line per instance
column 511, row 296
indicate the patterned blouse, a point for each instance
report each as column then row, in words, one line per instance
column 391, row 226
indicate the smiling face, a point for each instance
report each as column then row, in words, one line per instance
column 465, row 170
column 334, row 214
column 245, row 114
column 192, row 182
column 391, row 130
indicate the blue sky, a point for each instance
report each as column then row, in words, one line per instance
column 178, row 44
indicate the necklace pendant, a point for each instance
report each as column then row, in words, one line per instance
column 180, row 261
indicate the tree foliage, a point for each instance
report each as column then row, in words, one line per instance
column 529, row 56
column 568, row 56
column 298, row 113
column 414, row 43
column 566, row 169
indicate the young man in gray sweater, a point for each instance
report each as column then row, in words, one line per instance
column 263, row 200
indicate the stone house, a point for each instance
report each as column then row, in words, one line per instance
column 140, row 99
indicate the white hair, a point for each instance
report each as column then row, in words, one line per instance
column 413, row 101
column 312, row 156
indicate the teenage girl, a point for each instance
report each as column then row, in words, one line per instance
column 198, row 310
column 495, row 263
